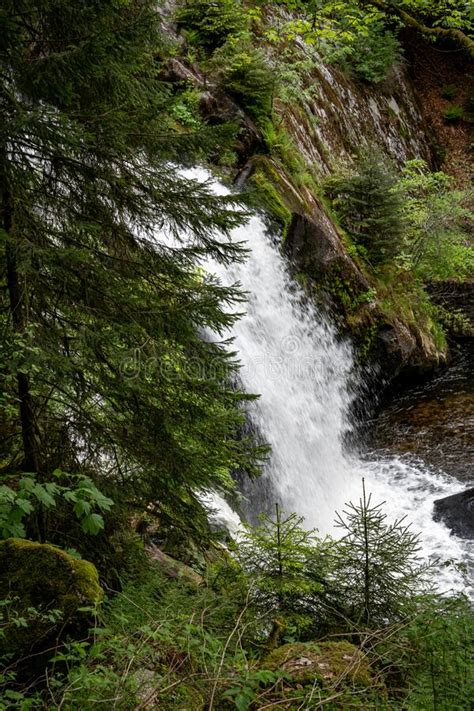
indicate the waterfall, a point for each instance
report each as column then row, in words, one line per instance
column 291, row 358
column 290, row 355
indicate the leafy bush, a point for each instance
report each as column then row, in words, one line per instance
column 373, row 53
column 186, row 109
column 209, row 24
column 417, row 219
column 23, row 500
column 439, row 223
column 441, row 639
column 430, row 654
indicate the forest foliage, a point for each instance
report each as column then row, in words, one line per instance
column 362, row 607
column 413, row 216
column 119, row 401
column 101, row 310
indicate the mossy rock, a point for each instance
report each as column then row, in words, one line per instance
column 46, row 589
column 338, row 664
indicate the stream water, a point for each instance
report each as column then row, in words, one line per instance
column 292, row 357
column 434, row 420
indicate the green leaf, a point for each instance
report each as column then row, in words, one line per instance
column 44, row 496
column 93, row 523
column 82, row 508
column 24, row 505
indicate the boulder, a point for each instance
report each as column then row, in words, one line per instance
column 324, row 663
column 398, row 345
column 46, row 591
column 171, row 567
column 457, row 512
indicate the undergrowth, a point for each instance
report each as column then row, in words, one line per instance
column 288, row 620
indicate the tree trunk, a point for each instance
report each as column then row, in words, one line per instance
column 18, row 314
column 366, row 561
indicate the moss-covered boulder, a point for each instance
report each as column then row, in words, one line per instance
column 336, row 664
column 45, row 590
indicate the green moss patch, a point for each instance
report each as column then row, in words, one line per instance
column 45, row 589
column 333, row 663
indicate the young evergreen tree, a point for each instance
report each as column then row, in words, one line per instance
column 369, row 204
column 377, row 570
column 286, row 566
column 210, row 24
column 86, row 184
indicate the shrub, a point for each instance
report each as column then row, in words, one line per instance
column 208, row 24
column 431, row 654
column 372, row 54
column 449, row 91
column 27, row 499
column 453, row 114
column 439, row 223
column 446, row 681
column 186, row 109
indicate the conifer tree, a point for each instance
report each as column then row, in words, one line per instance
column 286, row 565
column 377, row 570
column 369, row 204
column 88, row 283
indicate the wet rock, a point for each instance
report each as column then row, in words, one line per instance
column 315, row 246
column 457, row 512
column 46, row 590
column 178, row 71
column 398, row 344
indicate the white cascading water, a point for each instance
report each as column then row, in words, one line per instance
column 291, row 357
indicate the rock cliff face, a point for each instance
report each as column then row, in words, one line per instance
column 336, row 116
column 327, row 117
column 315, row 249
